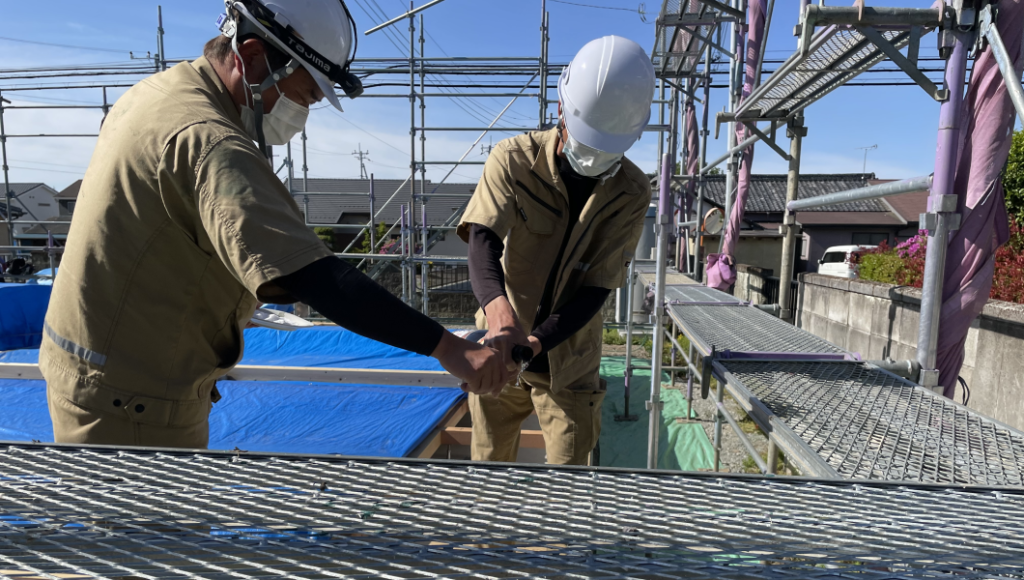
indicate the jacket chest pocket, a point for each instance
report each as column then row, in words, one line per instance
column 537, row 209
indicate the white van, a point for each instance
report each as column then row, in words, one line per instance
column 836, row 261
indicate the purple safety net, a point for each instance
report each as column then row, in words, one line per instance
column 988, row 117
column 724, row 273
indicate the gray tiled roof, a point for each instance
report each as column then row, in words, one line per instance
column 441, row 203
column 767, row 193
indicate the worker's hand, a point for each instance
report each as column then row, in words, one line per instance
column 504, row 330
column 534, row 343
column 480, row 367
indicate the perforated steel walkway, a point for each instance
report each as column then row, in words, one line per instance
column 67, row 513
column 852, row 420
column 837, row 55
column 743, row 328
column 677, row 50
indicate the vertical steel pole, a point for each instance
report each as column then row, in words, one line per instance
column 291, row 169
column 7, row 177
column 941, row 204
column 424, row 267
column 161, row 58
column 305, row 166
column 735, row 87
column 658, row 333
column 401, row 248
column 719, row 398
column 661, row 122
column 704, row 132
column 542, row 94
column 628, row 373
column 412, row 147
column 796, row 132
column 373, row 218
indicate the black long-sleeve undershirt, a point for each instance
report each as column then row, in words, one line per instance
column 488, row 279
column 485, row 273
column 352, row 300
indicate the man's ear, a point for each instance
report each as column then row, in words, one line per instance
column 251, row 53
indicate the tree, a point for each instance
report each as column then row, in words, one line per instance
column 1013, row 177
column 364, row 246
column 326, row 235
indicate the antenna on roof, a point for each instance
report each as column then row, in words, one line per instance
column 864, row 169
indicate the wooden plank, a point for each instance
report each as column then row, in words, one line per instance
column 528, row 438
column 300, row 374
column 432, row 442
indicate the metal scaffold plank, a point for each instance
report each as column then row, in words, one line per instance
column 683, row 31
column 101, row 512
column 737, row 327
column 836, row 55
column 859, row 422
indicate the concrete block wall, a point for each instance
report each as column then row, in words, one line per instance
column 750, row 283
column 881, row 320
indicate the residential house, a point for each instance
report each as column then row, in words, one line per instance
column 67, row 198
column 37, row 200
column 350, row 204
column 864, row 222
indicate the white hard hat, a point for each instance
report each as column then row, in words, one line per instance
column 606, row 94
column 318, row 34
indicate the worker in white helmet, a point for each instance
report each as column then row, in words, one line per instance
column 551, row 229
column 182, row 227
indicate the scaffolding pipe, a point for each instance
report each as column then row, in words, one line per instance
column 732, row 167
column 942, row 186
column 161, row 64
column 872, row 192
column 1010, row 75
column 7, row 177
column 796, row 132
column 305, row 166
column 701, row 183
column 408, row 15
column 663, row 220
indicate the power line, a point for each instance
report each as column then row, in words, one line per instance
column 641, row 10
column 92, row 48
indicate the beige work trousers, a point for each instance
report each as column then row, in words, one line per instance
column 570, row 420
column 73, row 423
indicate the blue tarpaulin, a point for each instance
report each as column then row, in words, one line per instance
column 22, row 309
column 289, row 417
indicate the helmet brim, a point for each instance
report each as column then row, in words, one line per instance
column 326, row 87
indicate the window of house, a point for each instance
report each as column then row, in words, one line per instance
column 44, row 205
column 869, row 239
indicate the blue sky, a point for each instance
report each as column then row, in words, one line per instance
column 900, row 120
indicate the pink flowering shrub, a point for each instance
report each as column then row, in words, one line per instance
column 904, row 264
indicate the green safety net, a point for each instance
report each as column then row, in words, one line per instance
column 683, row 445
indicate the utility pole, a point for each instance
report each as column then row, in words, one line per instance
column 486, row 149
column 864, row 168
column 363, row 157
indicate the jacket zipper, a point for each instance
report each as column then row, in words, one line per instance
column 543, row 203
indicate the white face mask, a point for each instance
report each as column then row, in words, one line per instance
column 281, row 124
column 284, row 121
column 590, row 162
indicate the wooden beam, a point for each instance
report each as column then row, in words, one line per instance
column 528, row 438
column 301, row 374
column 432, row 442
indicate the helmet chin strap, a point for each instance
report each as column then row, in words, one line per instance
column 257, row 101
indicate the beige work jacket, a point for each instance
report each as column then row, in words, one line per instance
column 522, row 199
column 178, row 224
